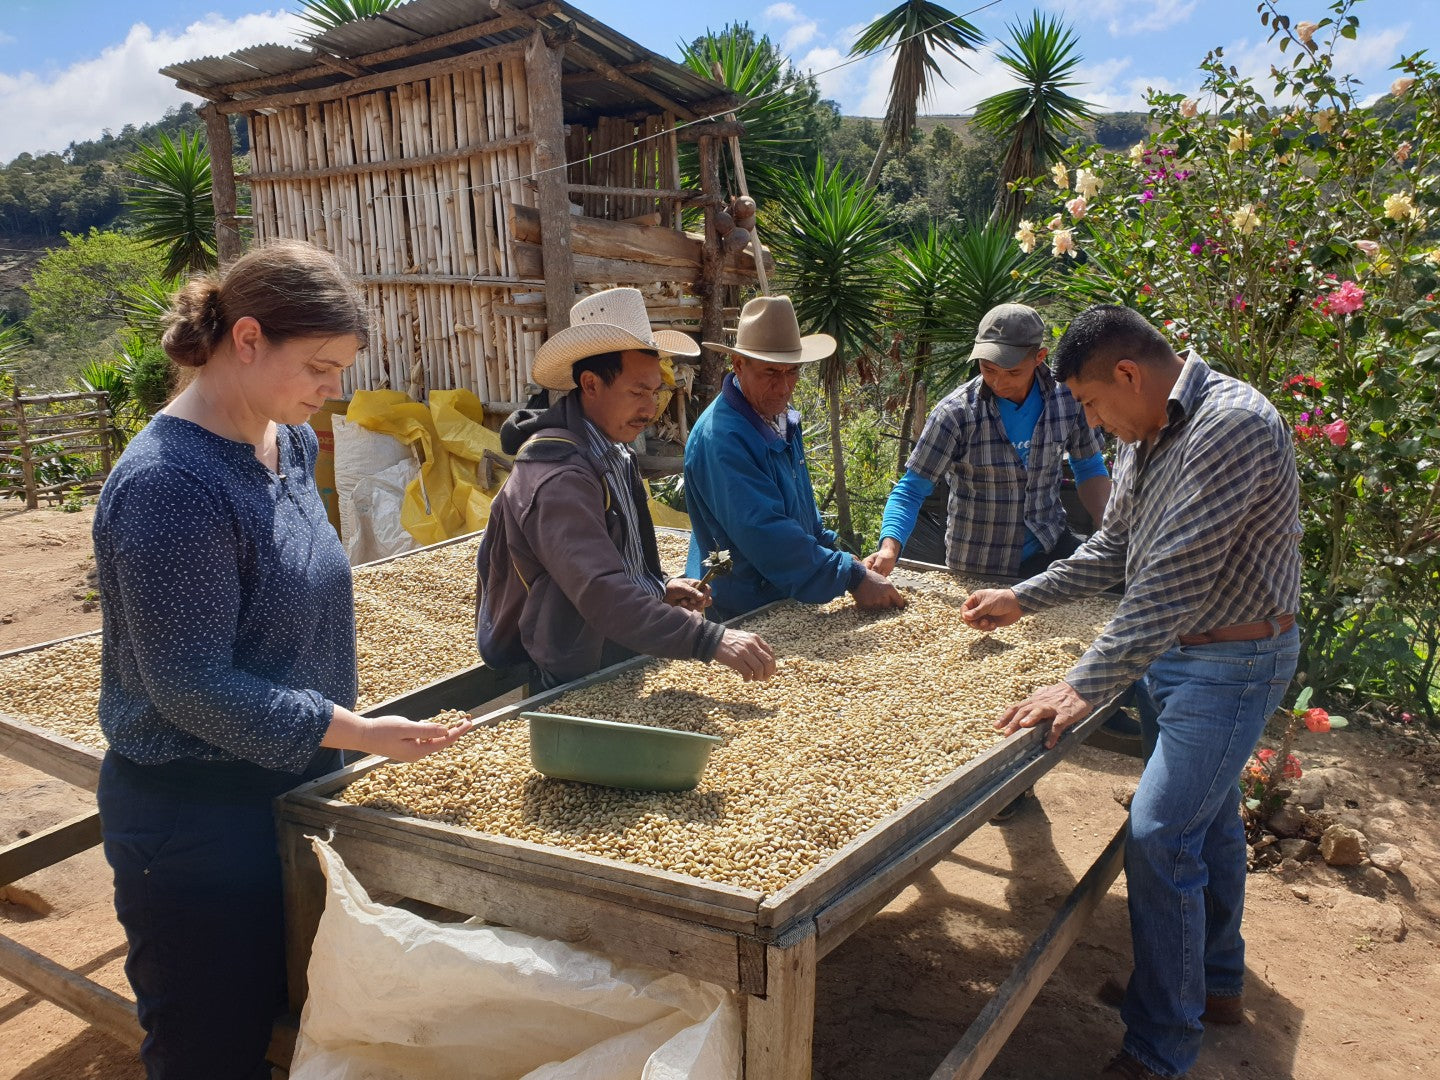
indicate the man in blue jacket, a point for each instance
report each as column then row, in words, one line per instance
column 747, row 486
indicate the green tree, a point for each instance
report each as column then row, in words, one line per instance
column 829, row 238
column 170, row 200
column 327, row 14
column 1033, row 116
column 83, row 283
column 785, row 121
column 917, row 29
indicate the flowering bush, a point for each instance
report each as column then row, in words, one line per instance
column 1260, row 783
column 1288, row 234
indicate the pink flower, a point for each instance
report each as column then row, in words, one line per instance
column 1400, row 87
column 1147, row 196
column 1402, row 152
column 1189, row 108
column 1338, row 432
column 1317, row 720
column 1195, row 248
column 1349, row 299
column 1369, row 248
column 1077, row 207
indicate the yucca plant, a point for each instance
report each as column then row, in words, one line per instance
column 327, row 14
column 918, row 29
column 984, row 272
column 1034, row 115
column 829, row 239
column 145, row 303
column 171, row 201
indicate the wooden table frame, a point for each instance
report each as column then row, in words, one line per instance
column 762, row 947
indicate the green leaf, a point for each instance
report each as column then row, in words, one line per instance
column 1252, row 804
column 1338, row 721
column 1302, row 699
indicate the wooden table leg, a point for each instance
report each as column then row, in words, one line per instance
column 304, row 903
column 780, row 1026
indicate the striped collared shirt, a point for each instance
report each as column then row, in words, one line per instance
column 617, row 462
column 965, row 439
column 1203, row 528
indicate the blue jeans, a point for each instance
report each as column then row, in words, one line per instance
column 1202, row 709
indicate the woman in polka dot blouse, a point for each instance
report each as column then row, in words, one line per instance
column 228, row 666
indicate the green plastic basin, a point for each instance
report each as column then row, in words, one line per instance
column 617, row 755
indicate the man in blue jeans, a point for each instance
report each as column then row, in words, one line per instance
column 1203, row 528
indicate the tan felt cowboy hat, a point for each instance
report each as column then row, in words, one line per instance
column 609, row 321
column 769, row 331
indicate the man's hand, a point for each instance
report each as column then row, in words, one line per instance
column 1059, row 704
column 990, row 609
column 883, row 561
column 746, row 654
column 687, row 593
column 875, row 592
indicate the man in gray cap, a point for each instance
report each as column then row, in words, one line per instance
column 999, row 440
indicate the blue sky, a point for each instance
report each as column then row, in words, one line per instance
column 71, row 68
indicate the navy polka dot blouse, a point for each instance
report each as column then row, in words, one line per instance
column 229, row 621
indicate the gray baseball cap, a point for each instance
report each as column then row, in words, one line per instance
column 1008, row 334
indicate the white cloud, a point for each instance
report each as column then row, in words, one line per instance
column 1368, row 58
column 800, row 34
column 7, row 39
column 786, row 13
column 122, row 85
column 1125, row 18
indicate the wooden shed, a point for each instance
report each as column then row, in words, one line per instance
column 477, row 164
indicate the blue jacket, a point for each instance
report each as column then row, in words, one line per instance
column 748, row 492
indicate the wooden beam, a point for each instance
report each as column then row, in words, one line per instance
column 780, row 1026
column 673, row 194
column 494, row 146
column 93, row 1003
column 711, row 129
column 547, row 125
column 42, row 849
column 52, row 754
column 340, row 64
column 712, row 362
column 982, row 1041
column 381, row 81
column 607, row 70
column 222, row 183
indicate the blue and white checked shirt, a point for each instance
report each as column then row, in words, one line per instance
column 1204, row 529
column 965, row 439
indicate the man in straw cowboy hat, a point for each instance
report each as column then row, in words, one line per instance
column 746, row 483
column 569, row 574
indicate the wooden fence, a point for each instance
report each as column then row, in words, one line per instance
column 32, row 434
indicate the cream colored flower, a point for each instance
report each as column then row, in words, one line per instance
column 1402, row 152
column 1383, row 266
column 1060, row 175
column 1062, row 243
column 1399, row 207
column 1400, row 87
column 1305, row 31
column 1189, row 108
column 1239, row 140
column 1368, row 248
column 1055, row 222
column 1325, row 120
column 1245, row 219
column 1433, row 256
column 1026, row 235
column 1137, row 151
column 1087, row 183
column 1077, row 207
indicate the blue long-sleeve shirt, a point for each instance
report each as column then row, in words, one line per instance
column 228, row 617
column 748, row 492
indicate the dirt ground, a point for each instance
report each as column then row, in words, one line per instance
column 1344, row 965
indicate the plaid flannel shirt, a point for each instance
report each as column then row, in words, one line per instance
column 993, row 498
column 1203, row 528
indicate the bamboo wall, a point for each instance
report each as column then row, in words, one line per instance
column 425, row 231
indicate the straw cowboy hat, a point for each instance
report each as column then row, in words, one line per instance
column 769, row 331
column 609, row 321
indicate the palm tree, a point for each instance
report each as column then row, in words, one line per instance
column 171, row 200
column 782, row 113
column 829, row 238
column 917, row 28
column 1034, row 115
column 327, row 14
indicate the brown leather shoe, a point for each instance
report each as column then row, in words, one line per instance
column 1127, row 1068
column 1218, row 1010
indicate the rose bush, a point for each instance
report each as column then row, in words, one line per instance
column 1289, row 234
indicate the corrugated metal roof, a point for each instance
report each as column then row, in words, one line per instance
column 420, row 19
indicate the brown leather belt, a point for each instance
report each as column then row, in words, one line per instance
column 1245, row 631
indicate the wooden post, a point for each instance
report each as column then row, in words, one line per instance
column 719, row 74
column 27, row 463
column 222, row 181
column 708, row 288
column 102, row 400
column 547, row 125
column 780, row 1026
